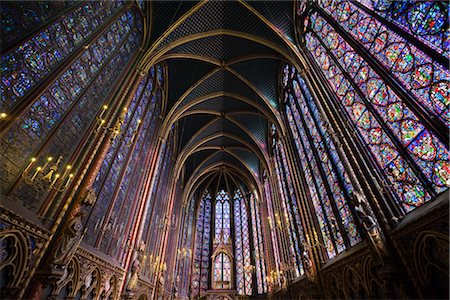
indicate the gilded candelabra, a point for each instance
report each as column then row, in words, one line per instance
column 48, row 176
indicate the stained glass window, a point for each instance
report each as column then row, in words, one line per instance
column 20, row 18
column 222, row 217
column 119, row 169
column 200, row 270
column 27, row 64
column 56, row 122
column 413, row 159
column 289, row 216
column 274, row 230
column 328, row 183
column 242, row 246
column 425, row 20
column 222, row 271
column 184, row 248
column 260, row 262
column 416, row 71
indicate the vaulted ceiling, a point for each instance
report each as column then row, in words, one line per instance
column 223, row 59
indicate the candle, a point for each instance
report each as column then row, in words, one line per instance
column 68, row 167
column 55, row 179
column 138, row 124
column 29, row 165
column 68, row 180
column 38, row 169
column 105, row 107
column 49, row 159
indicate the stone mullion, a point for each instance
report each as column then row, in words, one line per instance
column 438, row 127
column 112, row 201
column 347, row 148
column 267, row 241
column 325, row 182
column 46, row 141
column 135, row 169
column 81, row 184
column 278, row 157
column 37, row 30
column 289, row 201
column 272, row 245
column 277, row 208
column 398, row 144
column 356, row 145
column 306, row 211
column 25, row 104
column 155, row 235
column 326, row 146
column 141, row 192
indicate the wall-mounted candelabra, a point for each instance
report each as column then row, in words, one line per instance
column 115, row 130
column 48, row 176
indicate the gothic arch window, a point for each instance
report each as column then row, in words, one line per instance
column 121, row 167
column 388, row 83
column 258, row 245
column 222, row 271
column 222, row 217
column 202, row 246
column 235, row 250
column 288, row 215
column 329, row 186
column 242, row 245
column 56, row 111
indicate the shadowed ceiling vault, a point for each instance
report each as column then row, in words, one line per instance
column 223, row 61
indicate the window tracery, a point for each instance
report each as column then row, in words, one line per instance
column 409, row 152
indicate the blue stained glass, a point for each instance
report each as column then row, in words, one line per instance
column 400, row 120
column 26, row 65
column 414, row 69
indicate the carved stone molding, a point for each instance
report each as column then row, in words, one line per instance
column 21, row 243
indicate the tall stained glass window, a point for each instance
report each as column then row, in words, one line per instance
column 233, row 249
column 182, row 267
column 260, row 262
column 242, row 246
column 274, row 230
column 388, row 73
column 328, row 183
column 222, row 217
column 121, row 167
column 288, row 217
column 27, row 63
column 61, row 114
column 201, row 259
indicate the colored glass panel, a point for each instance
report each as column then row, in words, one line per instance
column 427, row 80
column 242, row 246
column 29, row 63
column 290, row 214
column 425, row 20
column 410, row 192
column 258, row 243
column 77, row 94
column 318, row 154
column 200, row 269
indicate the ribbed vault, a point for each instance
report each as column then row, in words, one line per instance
column 223, row 59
